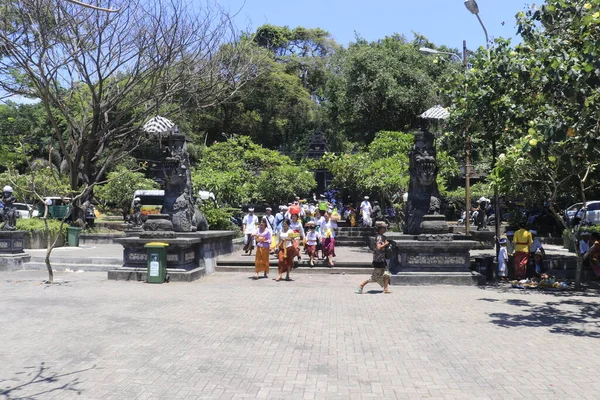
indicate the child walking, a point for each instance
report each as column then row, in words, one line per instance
column 380, row 275
column 503, row 261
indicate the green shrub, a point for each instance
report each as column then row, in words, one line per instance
column 218, row 218
column 37, row 225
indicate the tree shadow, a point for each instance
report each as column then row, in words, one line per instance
column 33, row 382
column 567, row 317
column 489, row 300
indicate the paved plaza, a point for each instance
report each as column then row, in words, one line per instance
column 229, row 337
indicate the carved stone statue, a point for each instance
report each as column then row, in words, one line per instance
column 423, row 185
column 9, row 211
column 435, row 206
column 182, row 214
column 136, row 218
column 175, row 174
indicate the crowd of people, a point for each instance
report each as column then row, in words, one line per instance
column 309, row 228
column 522, row 254
column 312, row 226
column 525, row 251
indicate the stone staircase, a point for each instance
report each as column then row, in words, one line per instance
column 357, row 237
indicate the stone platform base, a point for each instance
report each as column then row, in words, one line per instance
column 140, row 274
column 437, row 278
column 189, row 255
column 13, row 262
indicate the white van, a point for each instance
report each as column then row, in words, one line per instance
column 152, row 200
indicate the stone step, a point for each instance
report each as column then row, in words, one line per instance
column 99, row 238
column 437, row 278
column 350, row 243
column 140, row 274
column 337, row 270
column 356, row 229
column 57, row 259
column 60, row 266
column 302, row 263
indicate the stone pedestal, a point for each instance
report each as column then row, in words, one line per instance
column 434, row 224
column 189, row 255
column 431, row 259
column 12, row 256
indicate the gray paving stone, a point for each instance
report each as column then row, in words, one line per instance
column 228, row 337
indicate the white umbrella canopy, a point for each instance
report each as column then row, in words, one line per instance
column 158, row 125
column 437, row 113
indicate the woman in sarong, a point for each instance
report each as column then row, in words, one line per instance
column 263, row 243
column 328, row 227
column 523, row 242
column 312, row 238
column 286, row 251
column 296, row 227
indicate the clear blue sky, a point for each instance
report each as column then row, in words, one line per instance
column 441, row 21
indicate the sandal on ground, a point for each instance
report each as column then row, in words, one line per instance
column 387, row 292
column 359, row 290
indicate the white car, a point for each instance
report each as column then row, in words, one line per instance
column 572, row 211
column 25, row 210
column 592, row 215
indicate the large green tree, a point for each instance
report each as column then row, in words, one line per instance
column 240, row 171
column 279, row 108
column 542, row 95
column 383, row 85
column 382, row 168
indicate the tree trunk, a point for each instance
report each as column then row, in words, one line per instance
column 49, row 247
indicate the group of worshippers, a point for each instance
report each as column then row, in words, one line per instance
column 370, row 213
column 589, row 248
column 314, row 227
column 527, row 254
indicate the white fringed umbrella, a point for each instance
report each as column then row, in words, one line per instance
column 158, row 125
column 436, row 113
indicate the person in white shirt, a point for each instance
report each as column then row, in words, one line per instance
column 584, row 243
column 365, row 210
column 536, row 245
column 270, row 220
column 503, row 260
column 312, row 238
column 327, row 231
column 249, row 228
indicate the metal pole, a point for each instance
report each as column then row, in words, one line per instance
column 487, row 39
column 467, row 157
column 498, row 220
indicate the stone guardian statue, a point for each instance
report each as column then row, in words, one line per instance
column 9, row 211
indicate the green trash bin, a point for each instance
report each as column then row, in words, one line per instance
column 73, row 233
column 157, row 262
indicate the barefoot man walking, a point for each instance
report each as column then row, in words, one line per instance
column 380, row 273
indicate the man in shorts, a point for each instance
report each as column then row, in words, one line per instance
column 380, row 275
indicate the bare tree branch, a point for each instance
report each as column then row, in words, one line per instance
column 93, row 7
column 100, row 76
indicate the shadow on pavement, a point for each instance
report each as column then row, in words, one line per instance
column 34, row 382
column 566, row 317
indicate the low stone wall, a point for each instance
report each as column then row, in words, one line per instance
column 238, row 245
column 189, row 255
column 39, row 240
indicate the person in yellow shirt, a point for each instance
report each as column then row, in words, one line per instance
column 523, row 241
